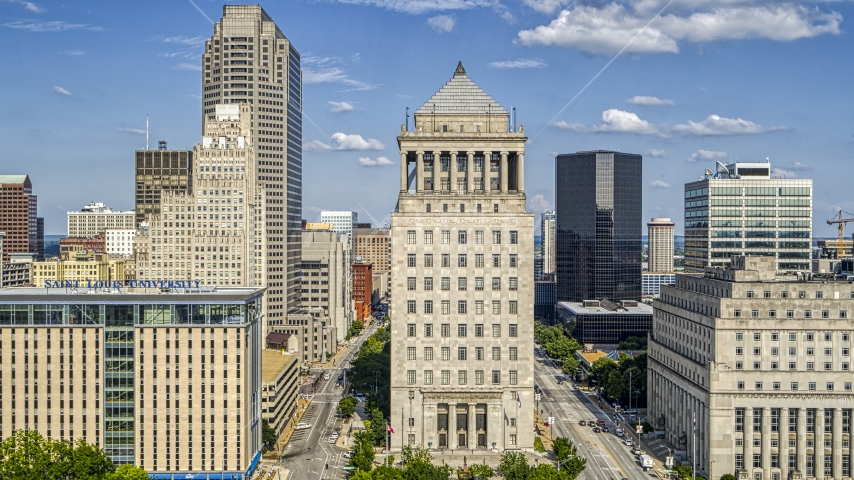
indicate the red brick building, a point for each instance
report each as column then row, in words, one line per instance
column 18, row 217
column 362, row 289
column 68, row 246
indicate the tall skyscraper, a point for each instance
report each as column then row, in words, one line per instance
column 660, row 235
column 327, row 277
column 19, row 218
column 741, row 210
column 599, row 237
column 547, row 236
column 157, row 171
column 462, row 270
column 249, row 61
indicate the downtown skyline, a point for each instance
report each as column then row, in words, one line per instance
column 88, row 75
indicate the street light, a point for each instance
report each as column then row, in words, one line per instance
column 375, row 382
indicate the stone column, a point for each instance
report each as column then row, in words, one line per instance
column 419, row 172
column 403, row 172
column 766, row 443
column 452, row 174
column 452, row 425
column 783, row 439
column 818, row 443
column 470, row 172
column 503, row 172
column 837, row 443
column 520, row 172
column 485, row 174
column 802, row 441
column 472, row 433
column 748, row 441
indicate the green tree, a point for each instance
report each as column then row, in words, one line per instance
column 562, row 347
column 268, row 433
column 387, row 473
column 377, row 428
column 363, row 454
column 347, row 405
column 601, row 370
column 128, row 472
column 728, row 476
column 514, row 466
column 546, row 472
column 87, row 461
column 27, row 455
column 570, row 365
column 361, row 475
column 573, row 467
column 564, row 448
column 480, row 471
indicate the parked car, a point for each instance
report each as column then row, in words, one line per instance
column 302, row 426
column 346, row 455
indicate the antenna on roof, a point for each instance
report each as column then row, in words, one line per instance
column 514, row 119
column 407, row 119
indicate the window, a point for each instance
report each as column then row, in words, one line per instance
column 810, row 336
column 462, row 329
column 827, row 366
column 757, row 351
column 478, row 377
column 428, row 354
column 496, row 380
column 496, row 353
column 478, row 260
column 446, row 237
column 428, row 377
column 462, row 237
column 775, row 351
column 410, row 237
column 758, row 385
column 496, row 260
column 846, row 337
column 478, row 237
column 496, row 307
column 446, row 260
column 428, row 237
column 827, row 352
column 739, row 336
column 793, row 365
column 445, row 283
column 446, row 377
column 750, row 294
column 757, row 365
column 410, row 260
column 828, row 336
column 740, row 385
column 446, row 354
column 462, row 377
column 514, row 283
column 410, row 284
column 845, row 351
column 428, row 330
column 462, row 260
column 428, row 283
column 736, row 313
column 514, row 260
column 514, row 353
column 478, row 307
column 462, row 283
column 478, row 330
column 410, row 377
column 739, row 351
column 754, row 313
column 446, row 330
column 772, row 313
column 739, row 365
column 514, row 237
column 462, row 353
column 790, row 314
column 847, row 386
column 410, row 353
column 794, row 386
column 784, row 294
column 811, row 386
column 807, row 313
column 514, row 307
column 819, row 294
column 776, row 385
column 829, row 386
column 410, row 330
column 843, row 314
column 496, row 237
column 428, row 260
column 410, row 306
column 825, row 314
column 775, row 336
column 766, row 294
column 513, row 330
column 478, row 353
column 514, row 377
column 496, row 283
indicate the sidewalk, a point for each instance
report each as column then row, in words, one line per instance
column 285, row 437
column 333, row 360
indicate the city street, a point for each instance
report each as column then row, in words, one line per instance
column 608, row 458
column 309, row 452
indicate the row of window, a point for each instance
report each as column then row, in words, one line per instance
column 462, row 283
column 790, row 313
column 462, row 237
column 793, row 336
column 462, row 307
column 785, row 294
column 462, row 330
column 462, row 353
column 811, row 386
column 462, row 377
column 810, row 417
column 775, row 351
column 462, row 260
column 793, row 464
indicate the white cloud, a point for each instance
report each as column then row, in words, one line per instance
column 379, row 162
column 706, row 155
column 656, row 153
column 73, row 53
column 186, row 40
column 647, row 101
column 188, row 66
column 342, row 141
column 717, row 125
column 61, row 91
column 139, row 131
column 333, row 75
column 608, row 28
column 441, row 23
column 421, row 6
column 51, row 26
column 779, row 172
column 520, row 63
column 546, row 6
column 28, row 5
column 659, row 184
column 799, row 166
column 538, row 203
column 615, row 121
column 339, row 107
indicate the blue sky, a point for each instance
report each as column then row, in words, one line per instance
column 705, row 80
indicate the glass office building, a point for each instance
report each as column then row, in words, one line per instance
column 599, row 225
column 741, row 210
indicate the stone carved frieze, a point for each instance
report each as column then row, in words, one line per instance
column 496, row 222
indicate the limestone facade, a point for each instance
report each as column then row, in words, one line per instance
column 462, row 279
column 765, row 366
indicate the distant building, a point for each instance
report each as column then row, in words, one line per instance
column 315, row 334
column 538, row 266
column 81, row 267
column 120, row 241
column 544, row 300
column 159, row 171
column 651, row 282
column 829, row 248
column 280, row 381
column 363, row 289
column 362, row 225
column 599, row 239
column 96, row 218
column 69, row 247
column 20, row 221
column 605, row 322
column 15, row 272
column 660, row 235
column 547, row 234
column 741, row 210
column 327, row 278
column 373, row 245
column 342, row 221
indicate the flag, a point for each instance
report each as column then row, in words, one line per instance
column 695, row 422
column 388, row 428
column 519, row 399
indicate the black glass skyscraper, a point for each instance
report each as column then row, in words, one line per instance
column 599, row 225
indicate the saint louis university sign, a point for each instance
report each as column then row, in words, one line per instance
column 121, row 284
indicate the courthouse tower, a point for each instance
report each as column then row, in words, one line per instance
column 462, row 278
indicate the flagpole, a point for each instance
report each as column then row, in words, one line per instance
column 694, row 449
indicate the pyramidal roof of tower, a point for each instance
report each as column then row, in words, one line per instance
column 460, row 96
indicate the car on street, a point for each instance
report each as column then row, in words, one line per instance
column 628, row 442
column 302, row 426
column 326, row 377
column 605, row 429
column 619, row 432
column 600, row 422
column 582, row 423
column 596, row 429
column 346, row 455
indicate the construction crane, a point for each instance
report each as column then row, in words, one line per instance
column 841, row 222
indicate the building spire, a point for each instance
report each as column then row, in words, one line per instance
column 460, row 71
